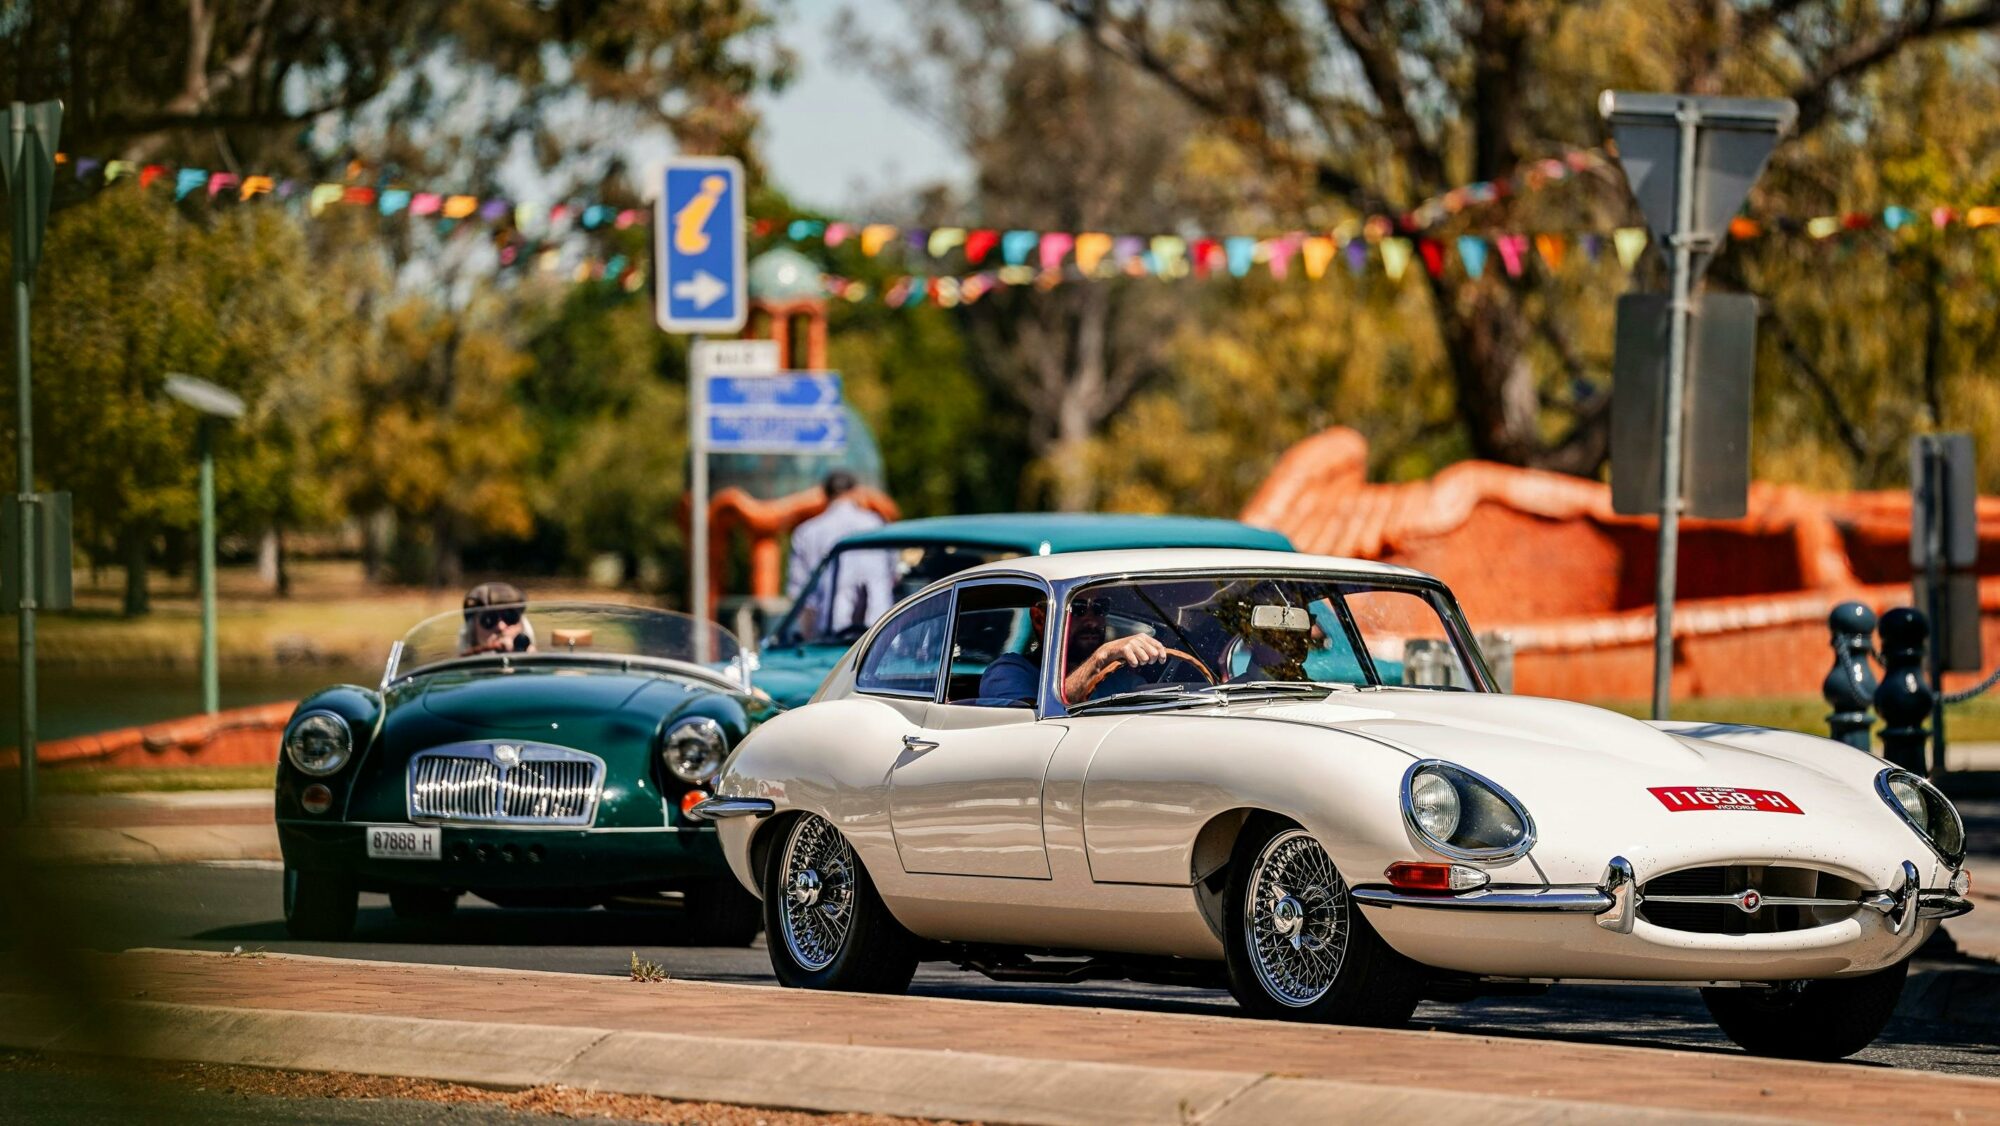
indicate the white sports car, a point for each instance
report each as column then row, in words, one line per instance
column 1293, row 773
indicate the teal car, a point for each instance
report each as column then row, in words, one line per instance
column 556, row 774
column 911, row 554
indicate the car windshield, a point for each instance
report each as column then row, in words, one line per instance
column 566, row 630
column 854, row 586
column 1248, row 633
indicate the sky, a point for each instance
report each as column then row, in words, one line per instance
column 833, row 138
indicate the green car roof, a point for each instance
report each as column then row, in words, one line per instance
column 1049, row 533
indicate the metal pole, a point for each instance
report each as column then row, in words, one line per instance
column 1676, row 383
column 698, row 485
column 211, row 693
column 1936, row 504
column 25, row 494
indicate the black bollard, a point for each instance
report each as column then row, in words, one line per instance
column 1904, row 700
column 1849, row 686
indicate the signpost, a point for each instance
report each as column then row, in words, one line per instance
column 701, row 284
column 794, row 413
column 1690, row 162
column 214, row 403
column 29, row 168
column 1944, row 556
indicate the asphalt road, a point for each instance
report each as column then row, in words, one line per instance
column 223, row 906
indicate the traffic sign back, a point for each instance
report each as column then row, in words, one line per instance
column 698, row 239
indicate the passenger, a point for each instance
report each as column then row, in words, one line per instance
column 1012, row 677
column 861, row 587
column 496, row 621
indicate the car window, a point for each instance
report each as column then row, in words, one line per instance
column 854, row 586
column 996, row 649
column 1406, row 639
column 904, row 658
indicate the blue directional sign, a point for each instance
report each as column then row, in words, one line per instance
column 793, row 390
column 761, row 432
column 698, row 237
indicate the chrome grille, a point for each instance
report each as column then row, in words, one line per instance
column 509, row 783
column 1711, row 900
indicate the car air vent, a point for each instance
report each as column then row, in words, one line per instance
column 1747, row 899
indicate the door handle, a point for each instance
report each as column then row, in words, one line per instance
column 912, row 743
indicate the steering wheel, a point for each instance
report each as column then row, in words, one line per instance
column 1114, row 666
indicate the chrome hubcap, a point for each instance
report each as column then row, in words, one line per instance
column 1295, row 920
column 805, row 888
column 818, row 907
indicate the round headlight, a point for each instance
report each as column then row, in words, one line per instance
column 1434, row 804
column 1464, row 816
column 1926, row 810
column 1910, row 798
column 319, row 743
column 694, row 749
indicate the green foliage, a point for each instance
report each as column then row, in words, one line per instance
column 130, row 291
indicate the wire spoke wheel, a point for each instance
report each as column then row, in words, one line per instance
column 1295, row 919
column 819, row 892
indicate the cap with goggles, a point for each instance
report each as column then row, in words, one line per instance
column 505, row 599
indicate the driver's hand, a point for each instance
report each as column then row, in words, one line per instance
column 1138, row 649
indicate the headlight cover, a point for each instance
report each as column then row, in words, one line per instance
column 1462, row 815
column 1926, row 811
column 319, row 743
column 694, row 748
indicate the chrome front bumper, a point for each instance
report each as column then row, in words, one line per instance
column 1615, row 899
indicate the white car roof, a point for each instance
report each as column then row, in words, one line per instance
column 1166, row 560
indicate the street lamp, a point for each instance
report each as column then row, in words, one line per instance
column 213, row 402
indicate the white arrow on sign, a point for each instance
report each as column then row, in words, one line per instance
column 704, row 289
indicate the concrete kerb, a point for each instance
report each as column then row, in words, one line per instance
column 817, row 1077
column 149, row 844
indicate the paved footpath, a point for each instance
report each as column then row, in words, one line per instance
column 924, row 1056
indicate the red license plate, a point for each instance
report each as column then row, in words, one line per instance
column 1692, row 799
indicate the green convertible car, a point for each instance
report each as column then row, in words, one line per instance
column 534, row 755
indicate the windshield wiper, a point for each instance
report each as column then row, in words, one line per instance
column 1274, row 687
column 1158, row 693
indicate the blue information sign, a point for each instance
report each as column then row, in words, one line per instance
column 793, row 390
column 764, row 432
column 698, row 241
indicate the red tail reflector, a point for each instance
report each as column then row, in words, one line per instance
column 1411, row 875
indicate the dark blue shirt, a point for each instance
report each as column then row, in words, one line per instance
column 1012, row 676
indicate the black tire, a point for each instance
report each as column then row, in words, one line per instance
column 319, row 905
column 1368, row 983
column 1829, row 1019
column 721, row 913
column 844, row 938
column 423, row 904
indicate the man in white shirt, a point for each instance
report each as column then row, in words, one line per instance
column 861, row 584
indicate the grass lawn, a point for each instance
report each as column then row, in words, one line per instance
column 83, row 780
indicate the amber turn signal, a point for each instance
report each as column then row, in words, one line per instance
column 317, row 798
column 691, row 799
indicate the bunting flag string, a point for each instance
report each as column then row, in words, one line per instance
column 530, row 235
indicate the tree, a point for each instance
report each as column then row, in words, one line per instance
column 1060, row 141
column 1378, row 104
column 129, row 291
column 217, row 84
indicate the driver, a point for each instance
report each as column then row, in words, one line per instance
column 496, row 621
column 1012, row 676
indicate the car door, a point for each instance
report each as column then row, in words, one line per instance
column 965, row 796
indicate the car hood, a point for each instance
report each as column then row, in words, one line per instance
column 523, row 700
column 792, row 673
column 1588, row 777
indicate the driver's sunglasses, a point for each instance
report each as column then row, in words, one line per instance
column 1092, row 607
column 492, row 619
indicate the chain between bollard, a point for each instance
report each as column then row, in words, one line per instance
column 1976, row 690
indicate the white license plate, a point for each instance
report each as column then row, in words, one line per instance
column 402, row 842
